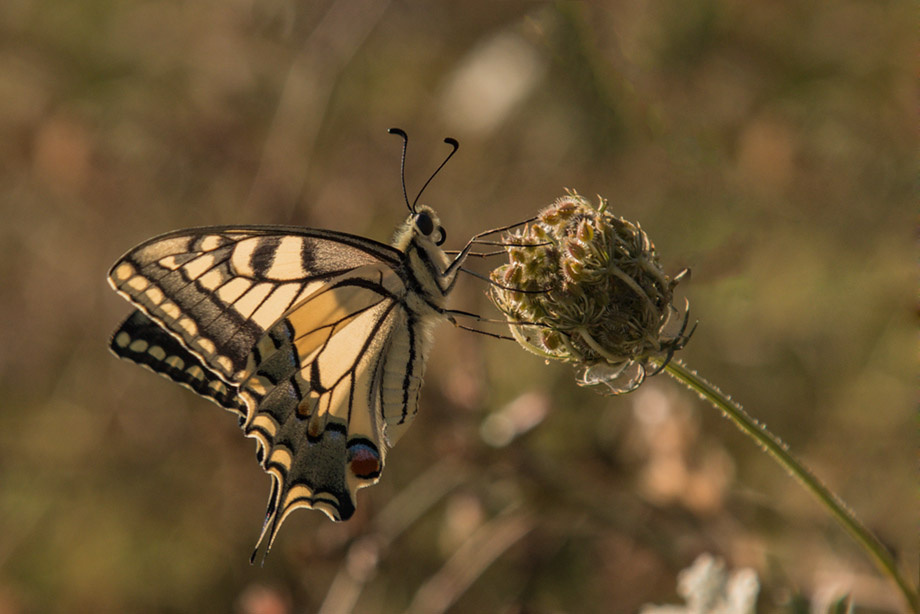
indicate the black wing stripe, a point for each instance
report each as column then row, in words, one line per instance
column 410, row 369
column 263, row 256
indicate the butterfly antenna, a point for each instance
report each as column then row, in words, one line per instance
column 454, row 147
column 402, row 164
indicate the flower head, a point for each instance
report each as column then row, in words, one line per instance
column 584, row 286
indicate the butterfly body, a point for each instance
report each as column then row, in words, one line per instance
column 317, row 340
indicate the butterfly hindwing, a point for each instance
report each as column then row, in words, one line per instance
column 141, row 340
column 318, row 385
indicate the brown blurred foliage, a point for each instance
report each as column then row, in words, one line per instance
column 770, row 146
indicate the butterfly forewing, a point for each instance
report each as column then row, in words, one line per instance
column 218, row 290
column 317, row 339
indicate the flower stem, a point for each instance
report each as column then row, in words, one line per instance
column 780, row 451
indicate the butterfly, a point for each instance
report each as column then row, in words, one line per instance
column 317, row 340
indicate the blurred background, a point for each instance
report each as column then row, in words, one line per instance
column 769, row 146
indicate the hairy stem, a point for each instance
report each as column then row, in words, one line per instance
column 780, row 451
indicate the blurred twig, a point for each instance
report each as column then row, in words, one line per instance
column 362, row 558
column 470, row 560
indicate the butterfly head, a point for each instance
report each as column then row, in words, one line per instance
column 423, row 227
column 426, row 224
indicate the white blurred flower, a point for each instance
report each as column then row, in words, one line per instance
column 708, row 588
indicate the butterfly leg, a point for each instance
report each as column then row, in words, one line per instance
column 448, row 278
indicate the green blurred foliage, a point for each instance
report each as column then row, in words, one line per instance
column 768, row 145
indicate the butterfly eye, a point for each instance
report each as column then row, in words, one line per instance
column 424, row 224
column 440, row 236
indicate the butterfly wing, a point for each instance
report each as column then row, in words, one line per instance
column 141, row 340
column 308, row 335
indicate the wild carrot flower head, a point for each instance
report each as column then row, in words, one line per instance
column 584, row 286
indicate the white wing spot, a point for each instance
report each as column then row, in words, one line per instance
column 169, row 262
column 287, row 263
column 211, row 242
column 171, row 310
column 233, row 289
column 123, row 271
column 265, row 423
column 154, row 295
column 211, row 280
column 195, row 268
column 241, row 260
column 157, row 352
column 122, row 339
column 175, row 362
column 206, row 346
column 138, row 283
column 225, row 364
column 273, row 308
column 195, row 371
column 281, row 457
column 326, row 503
column 258, row 385
column 266, row 346
column 251, row 301
column 189, row 326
